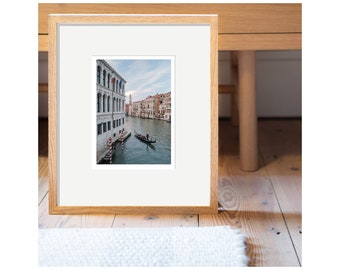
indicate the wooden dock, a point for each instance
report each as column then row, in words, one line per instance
column 126, row 134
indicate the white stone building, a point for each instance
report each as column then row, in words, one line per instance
column 167, row 107
column 110, row 106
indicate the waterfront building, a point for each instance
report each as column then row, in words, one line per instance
column 162, row 107
column 166, row 106
column 110, row 106
column 149, row 107
column 152, row 107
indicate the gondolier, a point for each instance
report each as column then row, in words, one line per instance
column 143, row 138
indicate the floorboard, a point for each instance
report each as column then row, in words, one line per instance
column 156, row 221
column 265, row 205
column 281, row 151
column 249, row 202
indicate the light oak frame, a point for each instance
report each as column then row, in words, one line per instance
column 54, row 20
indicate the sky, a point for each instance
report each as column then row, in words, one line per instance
column 144, row 77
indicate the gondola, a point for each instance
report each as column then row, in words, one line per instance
column 143, row 138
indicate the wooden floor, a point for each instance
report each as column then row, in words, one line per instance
column 266, row 204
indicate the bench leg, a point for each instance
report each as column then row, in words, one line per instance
column 247, row 111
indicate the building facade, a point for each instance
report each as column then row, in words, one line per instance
column 167, row 107
column 152, row 107
column 110, row 106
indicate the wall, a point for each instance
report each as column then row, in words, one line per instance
column 278, row 83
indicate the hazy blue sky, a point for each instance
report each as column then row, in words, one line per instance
column 144, row 77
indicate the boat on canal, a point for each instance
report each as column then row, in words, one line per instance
column 144, row 138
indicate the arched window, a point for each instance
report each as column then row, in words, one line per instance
column 104, row 102
column 108, row 104
column 104, row 76
column 113, row 83
column 108, row 80
column 114, row 104
column 99, row 96
column 98, row 74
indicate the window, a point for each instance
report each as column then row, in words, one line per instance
column 104, row 102
column 108, row 104
column 104, row 127
column 109, row 125
column 123, row 120
column 98, row 74
column 99, row 129
column 114, row 123
column 99, row 96
column 113, row 83
column 104, row 76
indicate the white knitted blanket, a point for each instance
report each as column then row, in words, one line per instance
column 140, row 247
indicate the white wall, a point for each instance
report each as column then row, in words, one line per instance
column 278, row 83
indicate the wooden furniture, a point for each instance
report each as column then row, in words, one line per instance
column 242, row 28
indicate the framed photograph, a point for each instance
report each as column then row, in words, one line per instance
column 133, row 114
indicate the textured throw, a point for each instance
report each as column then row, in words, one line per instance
column 139, row 247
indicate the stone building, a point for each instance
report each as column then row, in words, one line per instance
column 110, row 106
column 167, row 107
column 152, row 107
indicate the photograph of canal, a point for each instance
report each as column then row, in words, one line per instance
column 134, row 110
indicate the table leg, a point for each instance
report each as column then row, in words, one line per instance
column 247, row 111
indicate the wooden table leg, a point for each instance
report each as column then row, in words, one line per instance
column 247, row 111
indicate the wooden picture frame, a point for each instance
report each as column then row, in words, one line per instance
column 80, row 48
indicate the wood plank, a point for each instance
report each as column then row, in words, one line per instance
column 42, row 159
column 259, row 41
column 280, row 142
column 248, row 202
column 234, row 42
column 156, row 221
column 71, row 221
column 43, row 178
column 240, row 26
column 233, row 18
column 43, row 43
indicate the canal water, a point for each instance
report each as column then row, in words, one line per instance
column 134, row 151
